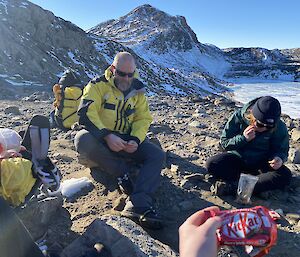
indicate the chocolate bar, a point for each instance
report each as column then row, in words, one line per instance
column 249, row 227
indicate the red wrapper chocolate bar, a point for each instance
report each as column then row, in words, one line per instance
column 250, row 227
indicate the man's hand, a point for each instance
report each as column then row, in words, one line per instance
column 276, row 163
column 197, row 235
column 131, row 146
column 115, row 143
column 249, row 133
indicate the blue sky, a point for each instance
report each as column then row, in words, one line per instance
column 224, row 23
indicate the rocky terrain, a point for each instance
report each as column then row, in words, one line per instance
column 188, row 130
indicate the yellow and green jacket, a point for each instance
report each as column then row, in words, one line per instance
column 104, row 109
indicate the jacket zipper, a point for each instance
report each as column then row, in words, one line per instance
column 122, row 116
column 117, row 120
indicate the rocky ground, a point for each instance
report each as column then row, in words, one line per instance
column 188, row 130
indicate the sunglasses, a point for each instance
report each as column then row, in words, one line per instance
column 124, row 74
column 262, row 125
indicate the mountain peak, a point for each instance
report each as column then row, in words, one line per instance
column 145, row 8
column 157, row 29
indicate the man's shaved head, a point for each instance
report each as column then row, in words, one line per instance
column 123, row 58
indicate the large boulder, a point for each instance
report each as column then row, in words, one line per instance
column 120, row 237
column 38, row 214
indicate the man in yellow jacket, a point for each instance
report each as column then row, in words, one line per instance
column 116, row 116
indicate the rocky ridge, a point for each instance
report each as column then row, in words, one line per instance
column 168, row 41
column 37, row 46
column 263, row 63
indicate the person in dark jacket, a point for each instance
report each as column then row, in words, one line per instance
column 256, row 142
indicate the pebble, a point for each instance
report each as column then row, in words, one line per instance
column 174, row 168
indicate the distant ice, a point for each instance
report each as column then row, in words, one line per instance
column 288, row 93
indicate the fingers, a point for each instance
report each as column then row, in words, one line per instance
column 130, row 149
column 250, row 128
column 201, row 216
column 212, row 224
column 275, row 160
column 249, row 133
column 23, row 148
column 131, row 143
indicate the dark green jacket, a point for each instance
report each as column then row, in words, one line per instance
column 263, row 147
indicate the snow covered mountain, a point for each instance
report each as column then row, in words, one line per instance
column 169, row 42
column 36, row 47
column 165, row 40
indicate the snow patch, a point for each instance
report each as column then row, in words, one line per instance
column 73, row 58
column 4, row 3
column 56, row 58
column 74, row 185
column 173, row 89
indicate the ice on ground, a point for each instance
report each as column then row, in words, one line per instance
column 74, row 185
column 288, row 93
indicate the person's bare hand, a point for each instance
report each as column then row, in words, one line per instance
column 131, row 146
column 115, row 143
column 276, row 163
column 197, row 235
column 249, row 133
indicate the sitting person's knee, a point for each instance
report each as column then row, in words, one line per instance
column 82, row 140
column 211, row 165
column 286, row 175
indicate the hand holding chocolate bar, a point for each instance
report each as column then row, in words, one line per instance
column 254, row 228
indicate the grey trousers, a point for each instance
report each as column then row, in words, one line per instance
column 149, row 156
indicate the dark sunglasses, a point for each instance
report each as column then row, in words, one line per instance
column 124, row 74
column 262, row 125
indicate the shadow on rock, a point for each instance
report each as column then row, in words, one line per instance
column 184, row 162
column 175, row 205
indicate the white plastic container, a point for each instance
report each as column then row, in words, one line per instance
column 10, row 142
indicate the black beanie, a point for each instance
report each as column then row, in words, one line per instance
column 267, row 110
